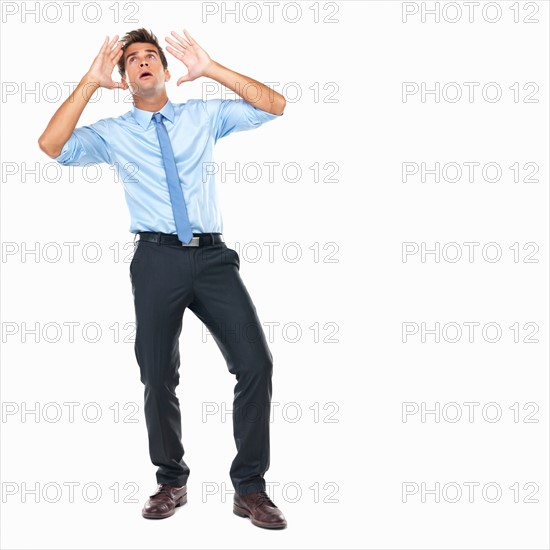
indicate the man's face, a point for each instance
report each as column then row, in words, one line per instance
column 144, row 72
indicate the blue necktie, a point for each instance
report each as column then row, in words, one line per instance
column 179, row 209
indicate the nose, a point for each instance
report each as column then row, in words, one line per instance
column 143, row 63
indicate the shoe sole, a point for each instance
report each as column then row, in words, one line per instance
column 244, row 513
column 179, row 502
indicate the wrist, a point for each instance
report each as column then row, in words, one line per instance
column 211, row 69
column 89, row 84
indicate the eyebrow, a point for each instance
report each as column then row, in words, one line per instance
column 135, row 53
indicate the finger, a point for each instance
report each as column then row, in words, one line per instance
column 104, row 45
column 191, row 40
column 174, row 52
column 117, row 52
column 114, row 60
column 183, row 79
column 113, row 40
column 180, row 38
column 177, row 46
column 117, row 45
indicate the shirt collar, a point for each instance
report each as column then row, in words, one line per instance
column 143, row 118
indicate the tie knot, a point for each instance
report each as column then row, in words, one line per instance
column 157, row 117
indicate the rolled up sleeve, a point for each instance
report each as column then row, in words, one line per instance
column 232, row 115
column 87, row 144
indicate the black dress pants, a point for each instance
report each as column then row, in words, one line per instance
column 166, row 279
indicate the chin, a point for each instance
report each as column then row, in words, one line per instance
column 138, row 88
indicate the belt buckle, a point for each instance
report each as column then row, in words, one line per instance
column 194, row 242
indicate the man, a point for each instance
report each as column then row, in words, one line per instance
column 161, row 150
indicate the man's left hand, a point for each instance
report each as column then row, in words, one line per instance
column 190, row 53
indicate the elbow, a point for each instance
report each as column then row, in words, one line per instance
column 52, row 152
column 280, row 107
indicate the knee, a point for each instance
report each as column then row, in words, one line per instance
column 159, row 384
column 258, row 366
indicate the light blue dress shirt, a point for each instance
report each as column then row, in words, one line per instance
column 130, row 143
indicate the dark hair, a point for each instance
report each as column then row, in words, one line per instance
column 140, row 35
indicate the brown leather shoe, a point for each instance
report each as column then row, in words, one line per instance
column 164, row 501
column 260, row 509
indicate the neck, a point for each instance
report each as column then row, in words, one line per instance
column 152, row 104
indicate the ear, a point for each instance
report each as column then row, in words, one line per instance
column 167, row 75
column 126, row 85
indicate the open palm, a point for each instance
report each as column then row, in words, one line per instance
column 102, row 67
column 190, row 54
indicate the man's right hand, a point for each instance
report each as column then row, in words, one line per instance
column 65, row 119
column 102, row 68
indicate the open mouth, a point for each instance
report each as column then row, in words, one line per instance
column 145, row 75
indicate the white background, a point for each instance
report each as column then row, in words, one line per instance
column 358, row 451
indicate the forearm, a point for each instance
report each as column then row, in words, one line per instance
column 65, row 119
column 256, row 93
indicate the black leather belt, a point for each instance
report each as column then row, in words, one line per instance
column 199, row 239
